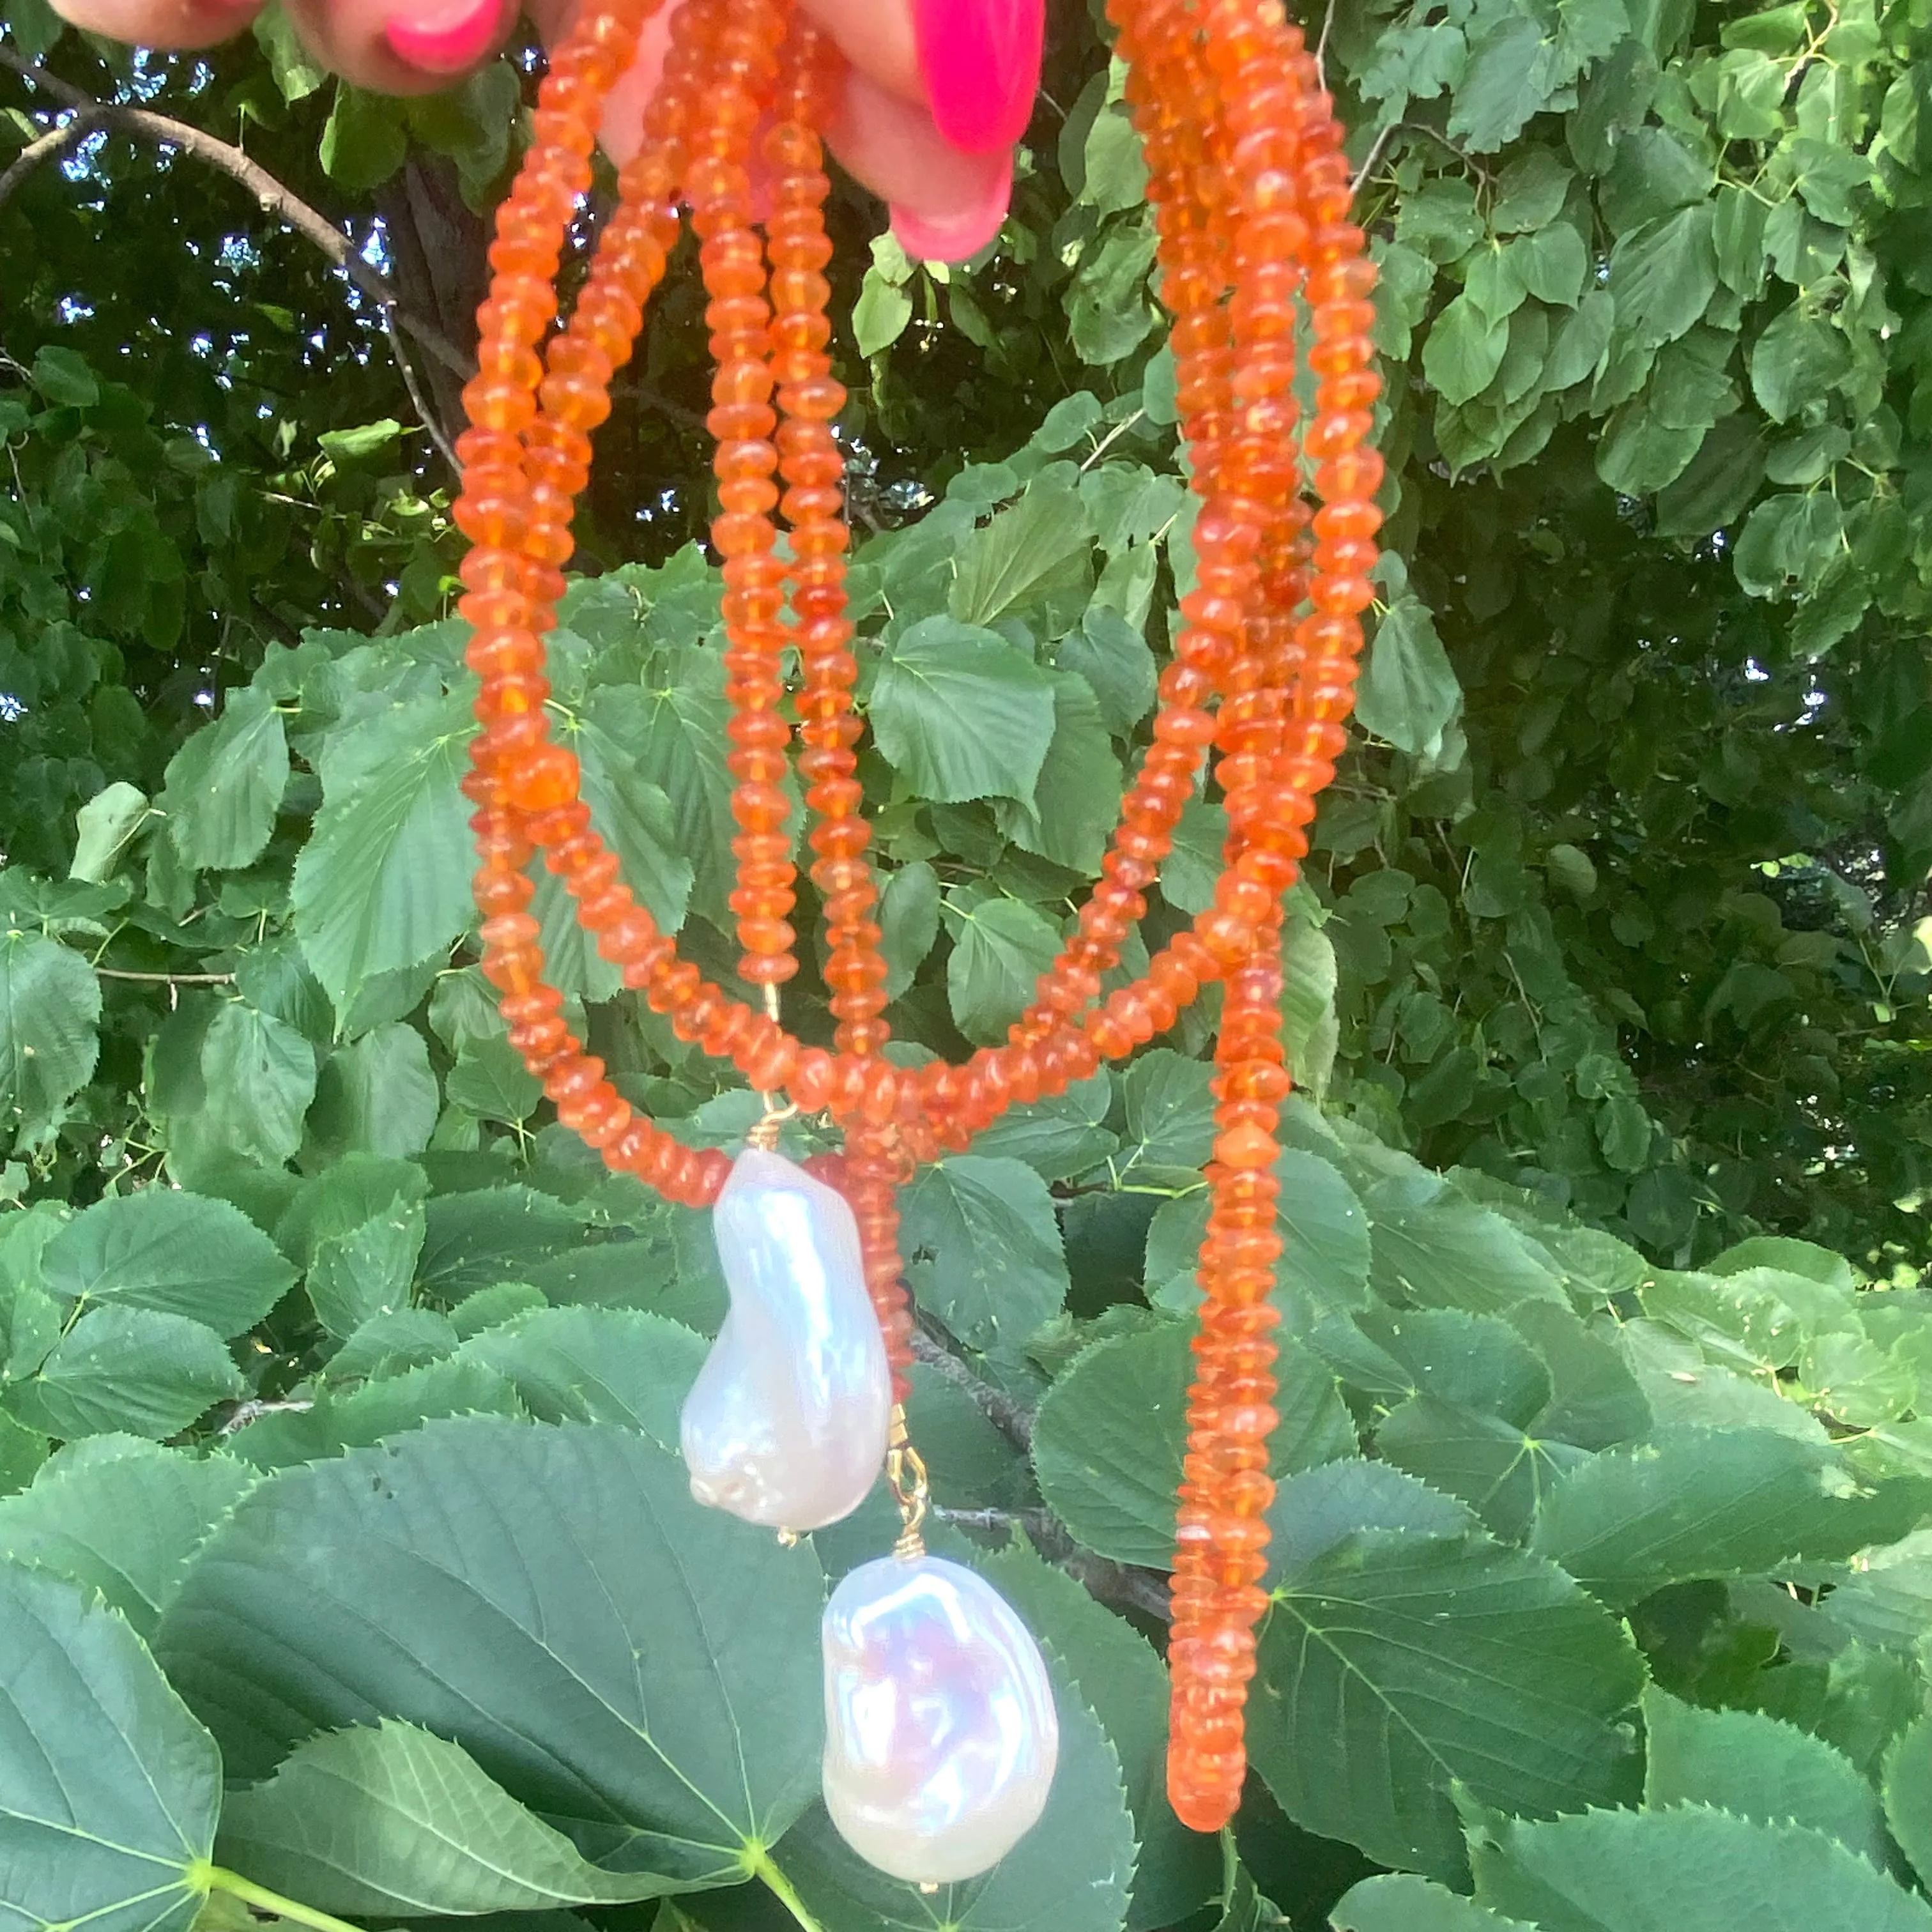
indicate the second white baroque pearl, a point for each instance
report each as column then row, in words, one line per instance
column 786, row 1423
column 941, row 1733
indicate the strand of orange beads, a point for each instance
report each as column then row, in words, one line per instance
column 1250, row 192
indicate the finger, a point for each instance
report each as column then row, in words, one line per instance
column 877, row 36
column 620, row 133
column 160, row 23
column 945, row 204
column 402, row 47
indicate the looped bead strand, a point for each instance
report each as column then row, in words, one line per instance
column 1250, row 192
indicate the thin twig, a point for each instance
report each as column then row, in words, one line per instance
column 271, row 196
column 1321, row 47
column 1013, row 1419
column 432, row 427
column 47, row 148
column 1377, row 148
column 246, row 1412
column 168, row 979
column 1127, row 1584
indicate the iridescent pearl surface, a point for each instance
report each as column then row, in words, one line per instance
column 940, row 1735
column 786, row 1423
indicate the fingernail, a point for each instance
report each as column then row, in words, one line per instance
column 955, row 236
column 450, row 39
column 980, row 60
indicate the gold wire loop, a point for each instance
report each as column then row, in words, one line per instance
column 905, row 1475
column 764, row 1136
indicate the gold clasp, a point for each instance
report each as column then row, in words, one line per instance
column 905, row 1473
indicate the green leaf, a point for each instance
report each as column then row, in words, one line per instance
column 596, row 1365
column 181, row 1253
column 1059, row 1138
column 106, row 824
column 259, row 1075
column 880, row 315
column 1109, row 1442
column 961, row 714
column 1699, row 1502
column 126, row 1369
column 1663, row 276
column 364, row 141
column 908, row 923
column 1463, row 350
column 1170, row 1110
column 1029, row 550
column 1908, row 1792
column 1756, row 1767
column 1398, row 1658
column 1800, row 357
column 1409, row 691
column 109, row 1789
column 1076, row 797
column 1400, row 1902
column 525, row 1593
column 49, row 1014
column 225, row 785
column 1001, row 947
column 1449, row 1252
column 365, row 1271
column 376, row 1095
column 1112, row 656
column 490, row 1081
column 681, row 749
column 123, row 1519
column 982, row 1249
column 635, row 816
column 390, row 1819
column 383, row 882
column 1694, row 1871
column 1501, row 1469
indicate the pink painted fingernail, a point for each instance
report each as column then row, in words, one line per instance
column 449, row 39
column 954, row 236
column 980, row 60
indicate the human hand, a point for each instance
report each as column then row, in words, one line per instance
column 935, row 92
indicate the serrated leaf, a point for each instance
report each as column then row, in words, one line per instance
column 1699, row 1502
column 1463, row 350
column 1076, row 797
column 1110, row 1434
column 124, row 1524
column 109, row 1789
column 908, row 923
column 366, row 1270
column 49, row 1015
column 383, row 882
column 104, row 825
column 1397, row 1659
column 1757, row 1767
column 982, row 1248
column 1400, row 1902
column 259, row 1075
column 1663, row 276
column 376, row 1095
column 596, row 1365
column 225, row 785
column 1695, row 1870
column 1908, row 1792
column 1409, row 691
column 1029, row 550
column 522, row 1592
column 1001, row 947
column 390, row 1819
column 181, row 1253
column 490, row 1081
column 961, row 714
column 126, row 1369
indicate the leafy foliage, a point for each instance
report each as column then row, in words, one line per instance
column 331, row 1367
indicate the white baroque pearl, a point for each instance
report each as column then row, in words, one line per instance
column 786, row 1423
column 940, row 1735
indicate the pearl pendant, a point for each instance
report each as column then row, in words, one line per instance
column 941, row 1732
column 786, row 1423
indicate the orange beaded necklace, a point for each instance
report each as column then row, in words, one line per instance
column 1251, row 195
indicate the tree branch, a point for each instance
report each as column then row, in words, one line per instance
column 1128, row 1584
column 271, row 196
column 1013, row 1419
